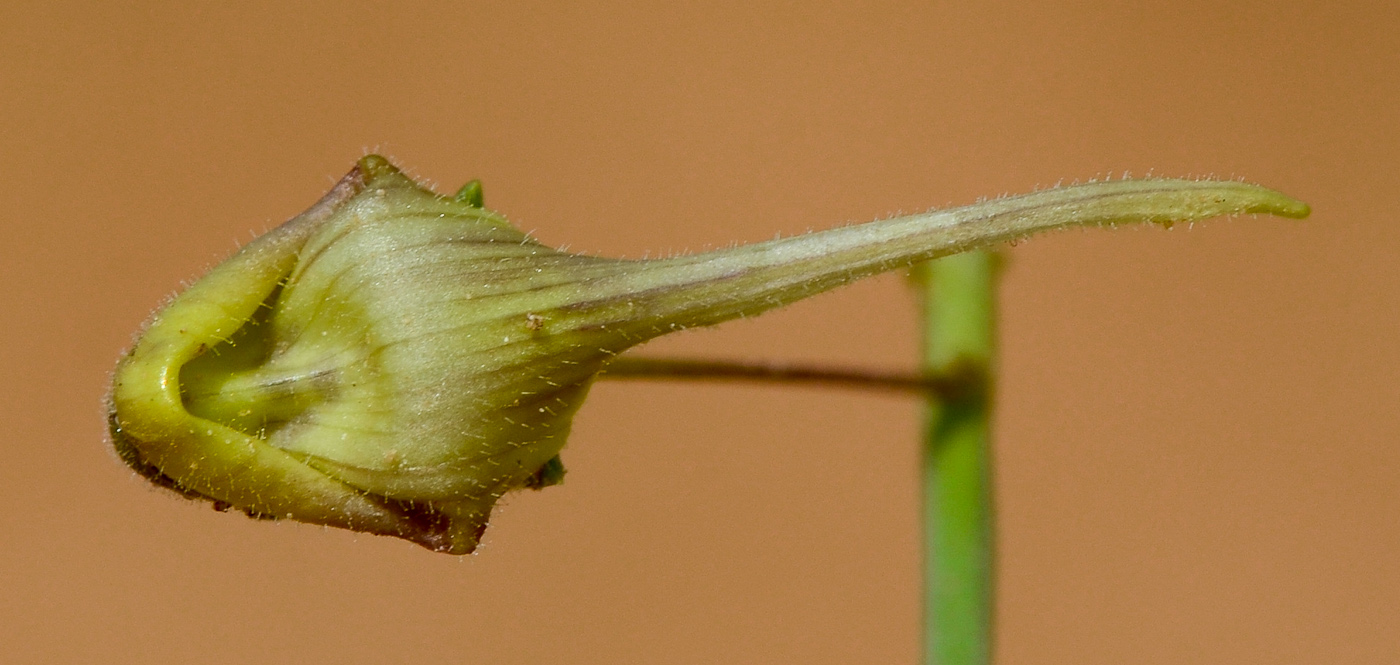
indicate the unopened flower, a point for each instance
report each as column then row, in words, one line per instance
column 394, row 361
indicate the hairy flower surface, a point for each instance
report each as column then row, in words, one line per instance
column 394, row 361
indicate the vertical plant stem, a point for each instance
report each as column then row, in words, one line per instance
column 959, row 312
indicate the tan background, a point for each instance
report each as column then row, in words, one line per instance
column 1197, row 457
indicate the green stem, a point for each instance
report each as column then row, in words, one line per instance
column 650, row 368
column 959, row 316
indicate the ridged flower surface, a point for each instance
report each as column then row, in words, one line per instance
column 394, row 361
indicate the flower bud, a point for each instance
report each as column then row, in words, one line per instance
column 393, row 361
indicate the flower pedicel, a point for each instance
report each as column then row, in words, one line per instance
column 394, row 361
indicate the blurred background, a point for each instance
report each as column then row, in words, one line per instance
column 1196, row 457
